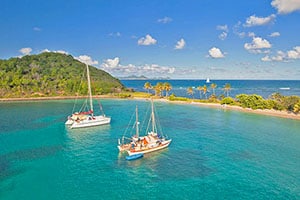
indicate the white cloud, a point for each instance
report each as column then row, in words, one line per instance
column 286, row 6
column 148, row 40
column 113, row 66
column 111, row 63
column 259, row 21
column 165, row 20
column 223, row 28
column 223, row 35
column 251, row 34
column 180, row 44
column 257, row 44
column 61, row 51
column 215, row 53
column 25, row 51
column 157, row 69
column 86, row 60
column 266, row 59
column 284, row 56
column 281, row 56
column 58, row 51
column 117, row 34
column 236, row 30
column 294, row 54
column 275, row 34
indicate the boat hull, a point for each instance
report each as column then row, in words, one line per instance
column 163, row 145
column 69, row 122
column 95, row 121
column 134, row 157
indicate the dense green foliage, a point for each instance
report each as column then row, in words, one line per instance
column 276, row 102
column 254, row 101
column 289, row 103
column 51, row 74
column 227, row 101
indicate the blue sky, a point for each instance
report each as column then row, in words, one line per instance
column 192, row 39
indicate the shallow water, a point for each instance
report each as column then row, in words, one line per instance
column 215, row 154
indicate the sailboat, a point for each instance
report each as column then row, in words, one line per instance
column 83, row 119
column 207, row 80
column 150, row 142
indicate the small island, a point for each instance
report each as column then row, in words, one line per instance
column 51, row 75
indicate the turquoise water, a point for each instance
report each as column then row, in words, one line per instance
column 215, row 154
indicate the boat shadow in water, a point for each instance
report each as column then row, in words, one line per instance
column 173, row 167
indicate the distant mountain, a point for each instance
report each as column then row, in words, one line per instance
column 51, row 74
column 142, row 77
column 134, row 77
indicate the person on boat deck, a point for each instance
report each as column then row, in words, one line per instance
column 133, row 145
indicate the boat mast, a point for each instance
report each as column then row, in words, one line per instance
column 137, row 121
column 152, row 116
column 89, row 87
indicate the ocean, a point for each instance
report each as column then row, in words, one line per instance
column 265, row 88
column 214, row 154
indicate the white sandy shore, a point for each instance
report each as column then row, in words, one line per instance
column 275, row 113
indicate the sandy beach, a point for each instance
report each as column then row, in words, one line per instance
column 275, row 113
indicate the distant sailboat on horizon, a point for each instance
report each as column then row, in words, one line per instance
column 83, row 119
column 207, row 80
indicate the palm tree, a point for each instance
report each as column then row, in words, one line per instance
column 200, row 88
column 167, row 87
column 213, row 87
column 190, row 91
column 205, row 90
column 147, row 86
column 227, row 88
column 158, row 88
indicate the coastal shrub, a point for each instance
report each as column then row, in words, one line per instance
column 285, row 102
column 270, row 104
column 172, row 97
column 253, row 101
column 213, row 99
column 296, row 108
column 278, row 106
column 290, row 102
column 228, row 101
column 124, row 95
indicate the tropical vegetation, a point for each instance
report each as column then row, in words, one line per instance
column 276, row 101
column 51, row 74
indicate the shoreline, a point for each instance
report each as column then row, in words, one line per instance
column 274, row 113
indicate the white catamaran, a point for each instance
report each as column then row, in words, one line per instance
column 87, row 118
column 152, row 141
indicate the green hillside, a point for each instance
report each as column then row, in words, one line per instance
column 51, row 74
